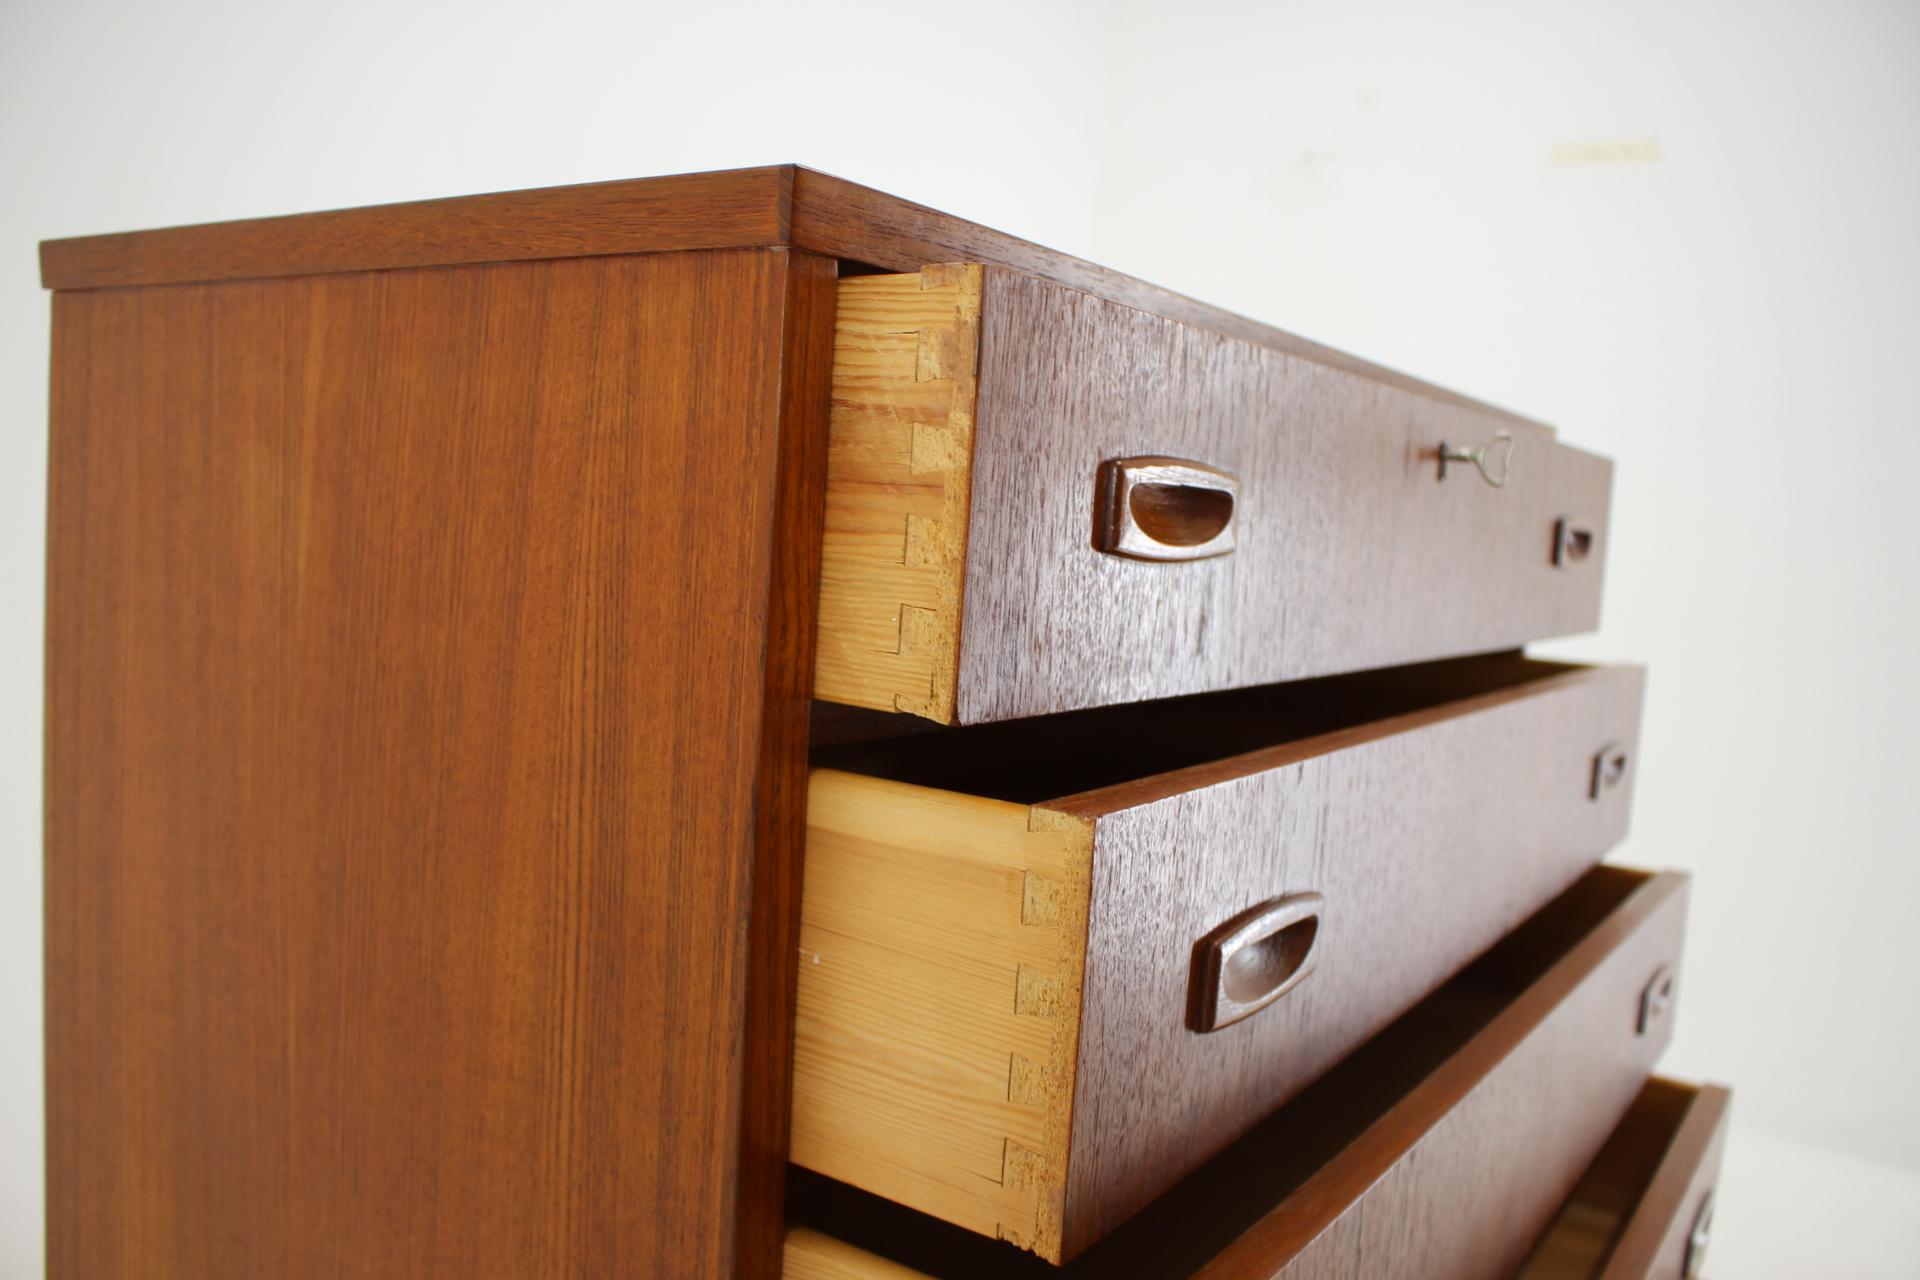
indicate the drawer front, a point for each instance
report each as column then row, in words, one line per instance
column 1423, row 847
column 1442, row 1151
column 977, row 413
column 997, row 1018
column 1464, row 1175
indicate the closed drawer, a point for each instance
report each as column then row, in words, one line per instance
column 972, row 497
column 1031, row 997
column 1644, row 1208
column 1440, row 1150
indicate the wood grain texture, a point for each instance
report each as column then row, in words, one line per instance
column 425, row 729
column 900, row 453
column 941, row 946
column 846, row 220
column 805, row 361
column 1430, row 835
column 1439, row 1148
column 813, row 1256
column 766, row 207
column 1653, row 1242
column 1460, row 1178
column 1633, row 1209
column 738, row 208
column 1350, row 552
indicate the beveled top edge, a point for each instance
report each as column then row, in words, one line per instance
column 767, row 207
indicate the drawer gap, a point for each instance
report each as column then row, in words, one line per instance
column 1031, row 761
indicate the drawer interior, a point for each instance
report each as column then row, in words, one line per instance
column 1615, row 1186
column 1203, row 1214
column 1030, row 761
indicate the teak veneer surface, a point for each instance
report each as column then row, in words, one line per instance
column 427, row 678
column 772, row 206
column 994, row 983
column 1440, row 1150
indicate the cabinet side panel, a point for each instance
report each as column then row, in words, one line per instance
column 406, row 704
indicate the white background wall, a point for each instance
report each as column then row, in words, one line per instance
column 1731, row 309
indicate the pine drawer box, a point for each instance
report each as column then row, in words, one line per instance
column 1029, row 1015
column 1039, row 500
column 1441, row 1150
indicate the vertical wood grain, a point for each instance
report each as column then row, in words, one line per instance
column 424, row 756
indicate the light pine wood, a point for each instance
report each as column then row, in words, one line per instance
column 983, row 979
column 942, row 940
column 900, row 449
column 813, row 1256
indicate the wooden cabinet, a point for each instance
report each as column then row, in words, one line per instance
column 558, row 702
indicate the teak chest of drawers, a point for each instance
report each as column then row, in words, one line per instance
column 705, row 725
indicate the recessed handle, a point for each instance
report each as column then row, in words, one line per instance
column 1155, row 508
column 1609, row 770
column 1655, row 999
column 1572, row 542
column 1254, row 959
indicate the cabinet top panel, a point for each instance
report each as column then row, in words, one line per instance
column 778, row 206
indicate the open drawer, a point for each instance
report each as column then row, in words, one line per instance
column 1034, row 996
column 1039, row 501
column 1644, row 1208
column 1440, row 1150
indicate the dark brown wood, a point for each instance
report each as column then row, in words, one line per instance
column 1461, row 1177
column 1428, row 836
column 425, row 709
column 1438, row 1149
column 739, row 208
column 765, row 207
column 1575, row 1246
column 1653, row 1241
column 1431, row 809
column 1350, row 552
column 834, row 216
column 806, row 382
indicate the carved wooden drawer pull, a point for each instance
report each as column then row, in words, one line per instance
column 1254, row 959
column 1155, row 508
